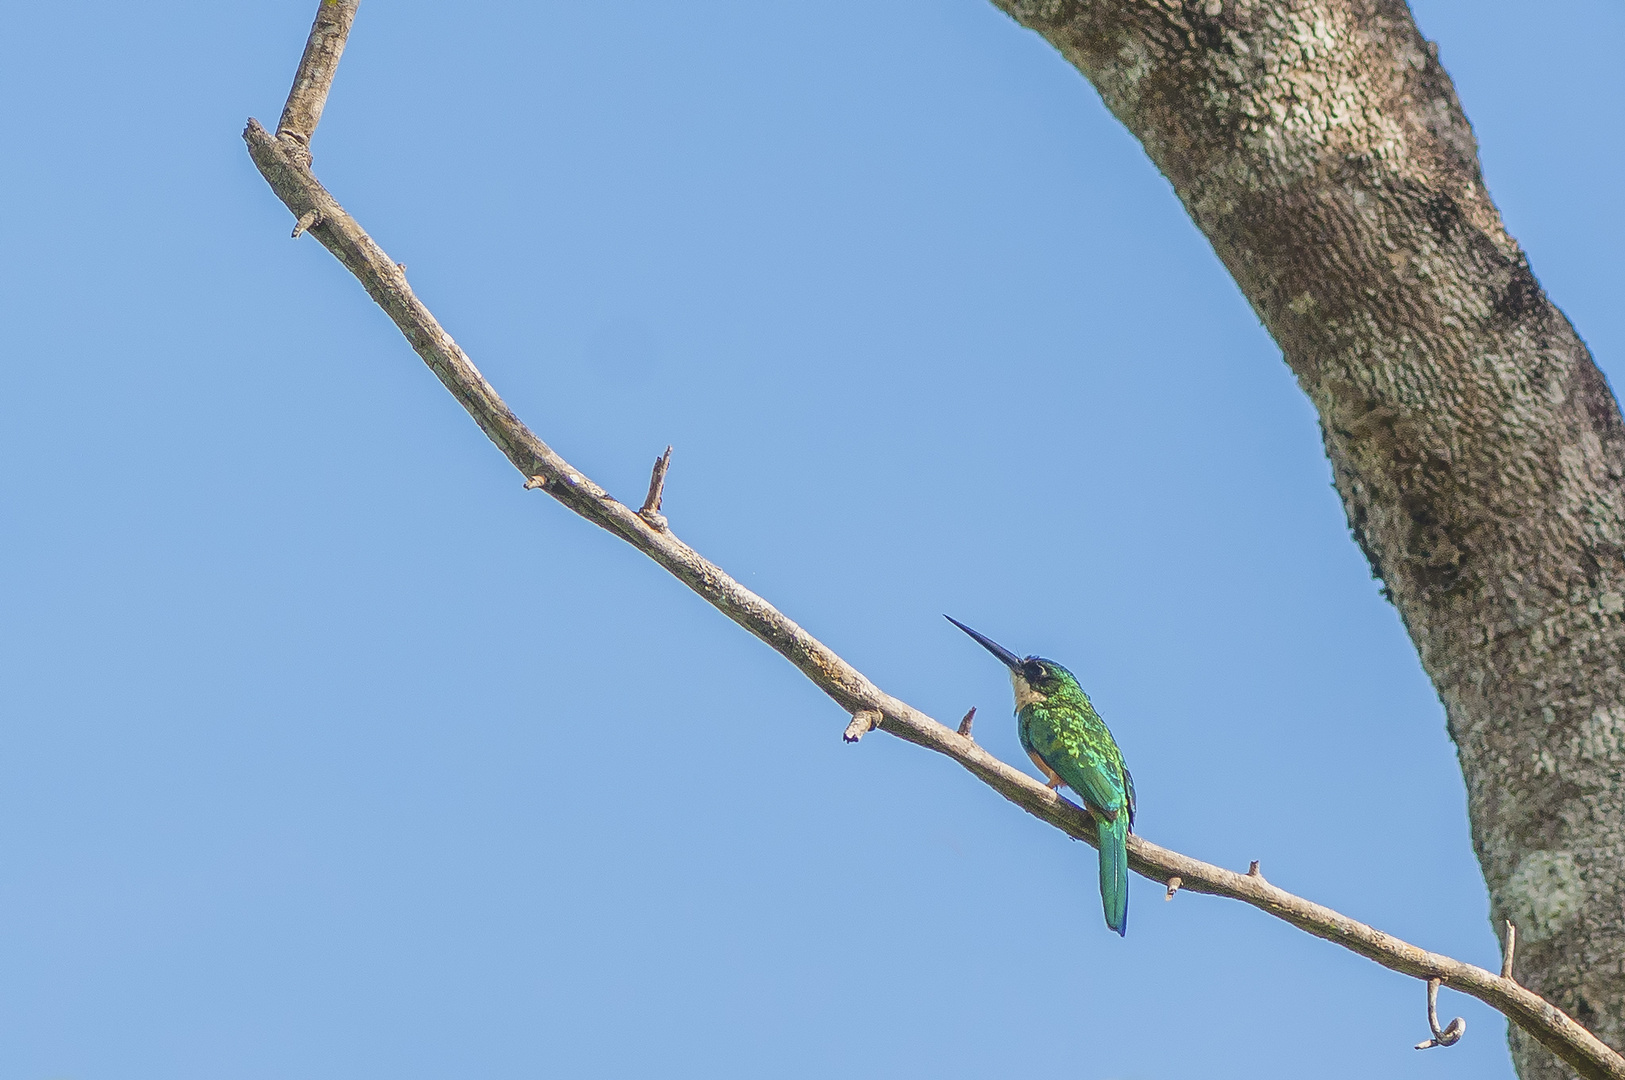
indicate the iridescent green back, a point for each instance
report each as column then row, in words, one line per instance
column 1068, row 734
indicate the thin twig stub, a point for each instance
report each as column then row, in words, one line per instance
column 650, row 510
column 863, row 722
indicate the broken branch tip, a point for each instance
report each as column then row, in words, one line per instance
column 650, row 510
column 308, row 220
column 863, row 722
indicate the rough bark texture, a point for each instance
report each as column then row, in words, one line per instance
column 1477, row 448
column 314, row 78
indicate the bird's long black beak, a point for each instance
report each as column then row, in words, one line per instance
column 1011, row 660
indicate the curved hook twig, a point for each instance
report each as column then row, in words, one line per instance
column 1452, row 1033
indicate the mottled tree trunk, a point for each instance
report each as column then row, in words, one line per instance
column 1478, row 450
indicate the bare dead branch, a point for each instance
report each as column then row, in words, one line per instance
column 290, row 178
column 1508, row 950
column 966, row 721
column 314, row 78
column 1173, row 886
column 1451, row 1035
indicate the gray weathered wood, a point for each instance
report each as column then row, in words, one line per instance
column 314, row 76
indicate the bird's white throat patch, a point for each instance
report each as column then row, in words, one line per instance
column 1025, row 694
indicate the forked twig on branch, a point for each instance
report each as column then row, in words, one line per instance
column 284, row 160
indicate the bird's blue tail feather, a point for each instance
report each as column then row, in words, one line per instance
column 1114, row 871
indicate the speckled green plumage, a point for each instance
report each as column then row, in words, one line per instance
column 1071, row 745
column 1059, row 725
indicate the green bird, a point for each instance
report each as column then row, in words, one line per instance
column 1071, row 745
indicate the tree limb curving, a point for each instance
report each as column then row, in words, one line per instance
column 1321, row 148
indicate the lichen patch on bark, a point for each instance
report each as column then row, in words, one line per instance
column 1543, row 895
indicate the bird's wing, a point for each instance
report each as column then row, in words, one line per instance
column 1087, row 772
column 1081, row 751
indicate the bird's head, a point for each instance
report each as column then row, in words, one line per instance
column 1033, row 678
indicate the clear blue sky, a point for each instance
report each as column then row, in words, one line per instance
column 329, row 752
